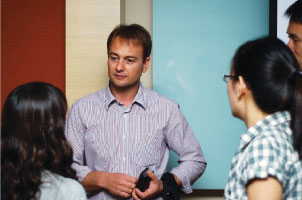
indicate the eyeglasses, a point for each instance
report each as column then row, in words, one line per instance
column 227, row 77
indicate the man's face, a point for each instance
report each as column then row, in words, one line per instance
column 125, row 64
column 294, row 32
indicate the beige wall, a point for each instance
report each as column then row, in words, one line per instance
column 139, row 12
column 88, row 24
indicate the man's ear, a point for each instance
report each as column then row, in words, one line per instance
column 146, row 64
column 242, row 87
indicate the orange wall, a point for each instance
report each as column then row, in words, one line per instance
column 32, row 42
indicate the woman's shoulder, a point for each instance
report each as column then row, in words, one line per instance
column 55, row 186
column 272, row 151
column 70, row 186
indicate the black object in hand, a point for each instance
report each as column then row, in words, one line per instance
column 143, row 181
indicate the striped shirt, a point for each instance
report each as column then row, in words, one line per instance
column 266, row 150
column 114, row 138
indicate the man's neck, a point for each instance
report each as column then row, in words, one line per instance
column 124, row 95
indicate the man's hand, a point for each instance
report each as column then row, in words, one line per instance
column 120, row 184
column 116, row 183
column 155, row 188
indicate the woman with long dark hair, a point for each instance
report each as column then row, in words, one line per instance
column 36, row 157
column 265, row 91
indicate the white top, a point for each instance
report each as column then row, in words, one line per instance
column 58, row 187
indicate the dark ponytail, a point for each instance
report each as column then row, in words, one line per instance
column 296, row 111
column 271, row 72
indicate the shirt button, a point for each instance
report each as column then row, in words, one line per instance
column 124, row 136
column 124, row 158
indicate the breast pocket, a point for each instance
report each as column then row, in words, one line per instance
column 148, row 149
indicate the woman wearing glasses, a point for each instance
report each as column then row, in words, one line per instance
column 35, row 156
column 265, row 91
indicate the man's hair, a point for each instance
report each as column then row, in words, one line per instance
column 132, row 32
column 294, row 12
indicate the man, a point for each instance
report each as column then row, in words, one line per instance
column 125, row 128
column 294, row 30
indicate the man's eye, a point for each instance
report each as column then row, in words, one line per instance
column 130, row 60
column 113, row 58
column 294, row 39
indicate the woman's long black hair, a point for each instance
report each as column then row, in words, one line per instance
column 271, row 72
column 32, row 139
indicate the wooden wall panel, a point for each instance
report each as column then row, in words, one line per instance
column 139, row 12
column 88, row 24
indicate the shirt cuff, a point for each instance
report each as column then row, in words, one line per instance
column 185, row 181
column 81, row 171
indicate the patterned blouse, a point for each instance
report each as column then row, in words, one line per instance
column 266, row 150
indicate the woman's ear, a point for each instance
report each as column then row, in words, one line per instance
column 242, row 87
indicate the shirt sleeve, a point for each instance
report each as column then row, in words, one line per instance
column 75, row 131
column 263, row 158
column 182, row 141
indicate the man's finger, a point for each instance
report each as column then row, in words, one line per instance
column 139, row 193
column 135, row 196
column 125, row 194
column 152, row 176
column 129, row 185
column 131, row 179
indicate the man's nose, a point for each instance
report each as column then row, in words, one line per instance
column 290, row 44
column 120, row 66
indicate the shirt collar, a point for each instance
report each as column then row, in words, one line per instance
column 268, row 121
column 140, row 97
